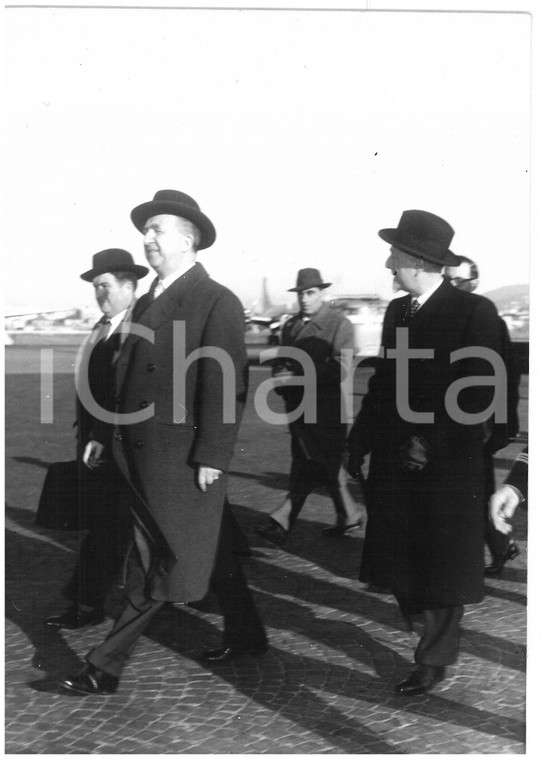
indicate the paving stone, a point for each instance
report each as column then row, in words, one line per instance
column 325, row 687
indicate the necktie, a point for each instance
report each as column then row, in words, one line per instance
column 102, row 330
column 158, row 289
column 414, row 307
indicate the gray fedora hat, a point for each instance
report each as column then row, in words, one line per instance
column 178, row 204
column 423, row 235
column 308, row 278
column 113, row 260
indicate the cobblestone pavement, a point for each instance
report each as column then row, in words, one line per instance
column 326, row 684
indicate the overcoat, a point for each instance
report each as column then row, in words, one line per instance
column 183, row 373
column 323, row 338
column 424, row 536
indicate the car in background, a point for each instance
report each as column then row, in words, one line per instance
column 366, row 313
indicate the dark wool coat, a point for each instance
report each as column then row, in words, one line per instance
column 184, row 424
column 424, row 536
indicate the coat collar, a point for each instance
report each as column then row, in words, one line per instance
column 154, row 312
column 315, row 323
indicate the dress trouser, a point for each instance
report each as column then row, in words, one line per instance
column 242, row 624
column 440, row 640
column 347, row 511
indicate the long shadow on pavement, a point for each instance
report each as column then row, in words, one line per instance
column 377, row 608
column 292, row 684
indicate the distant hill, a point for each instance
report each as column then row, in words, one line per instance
column 510, row 298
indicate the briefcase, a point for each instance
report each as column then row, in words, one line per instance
column 63, row 503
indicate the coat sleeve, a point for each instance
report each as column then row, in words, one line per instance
column 329, row 372
column 482, row 332
column 222, row 384
column 518, row 476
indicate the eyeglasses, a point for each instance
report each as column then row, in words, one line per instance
column 456, row 281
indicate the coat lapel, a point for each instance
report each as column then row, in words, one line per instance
column 152, row 313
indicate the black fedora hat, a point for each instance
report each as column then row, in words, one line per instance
column 113, row 260
column 308, row 278
column 423, row 235
column 178, row 204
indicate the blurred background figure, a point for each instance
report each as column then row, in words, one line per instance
column 502, row 548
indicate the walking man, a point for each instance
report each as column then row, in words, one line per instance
column 114, row 276
column 181, row 389
column 317, row 448
column 423, row 423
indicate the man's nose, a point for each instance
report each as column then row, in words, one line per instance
column 149, row 235
column 389, row 263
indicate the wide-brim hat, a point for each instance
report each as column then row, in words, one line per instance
column 423, row 235
column 178, row 204
column 113, row 260
column 308, row 278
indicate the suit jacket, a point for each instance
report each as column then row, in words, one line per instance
column 100, row 358
column 99, row 487
column 424, row 535
column 180, row 405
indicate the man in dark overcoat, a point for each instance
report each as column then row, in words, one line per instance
column 501, row 547
column 425, row 499
column 325, row 338
column 114, row 276
column 181, row 389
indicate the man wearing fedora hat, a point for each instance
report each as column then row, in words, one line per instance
column 316, row 447
column 114, row 276
column 181, row 388
column 425, row 501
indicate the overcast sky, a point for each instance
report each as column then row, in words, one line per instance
column 300, row 133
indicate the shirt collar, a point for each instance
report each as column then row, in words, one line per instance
column 115, row 321
column 170, row 279
column 424, row 298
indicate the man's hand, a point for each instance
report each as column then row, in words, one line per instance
column 502, row 507
column 206, row 476
column 92, row 454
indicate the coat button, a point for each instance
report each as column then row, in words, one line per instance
column 151, row 367
column 138, row 444
column 118, row 436
column 116, row 399
column 143, row 404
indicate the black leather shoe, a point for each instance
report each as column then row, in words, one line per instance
column 227, row 653
column 497, row 565
column 340, row 530
column 91, row 681
column 273, row 533
column 75, row 618
column 423, row 678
